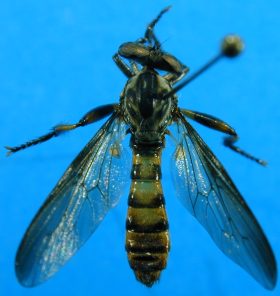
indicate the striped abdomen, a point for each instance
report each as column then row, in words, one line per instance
column 147, row 238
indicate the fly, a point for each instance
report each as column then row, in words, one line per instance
column 147, row 111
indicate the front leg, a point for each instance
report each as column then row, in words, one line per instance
column 127, row 71
column 172, row 78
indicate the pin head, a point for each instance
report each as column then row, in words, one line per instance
column 232, row 46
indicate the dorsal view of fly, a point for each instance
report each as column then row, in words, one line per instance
column 94, row 182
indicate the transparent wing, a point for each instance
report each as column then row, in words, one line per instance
column 90, row 186
column 207, row 191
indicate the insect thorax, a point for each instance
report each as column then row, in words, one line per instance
column 143, row 106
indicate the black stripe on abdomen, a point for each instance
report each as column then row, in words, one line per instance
column 147, row 238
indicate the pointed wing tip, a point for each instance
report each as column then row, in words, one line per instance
column 270, row 285
column 26, row 278
column 26, row 282
column 271, row 282
column 272, row 275
column 268, row 275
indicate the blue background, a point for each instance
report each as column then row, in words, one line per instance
column 55, row 65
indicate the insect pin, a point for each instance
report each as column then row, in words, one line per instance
column 94, row 181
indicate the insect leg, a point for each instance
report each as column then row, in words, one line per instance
column 229, row 142
column 218, row 124
column 127, row 71
column 90, row 117
column 134, row 67
column 172, row 78
column 209, row 121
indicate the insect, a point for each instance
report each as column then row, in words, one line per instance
column 148, row 112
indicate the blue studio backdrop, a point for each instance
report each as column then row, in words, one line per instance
column 55, row 65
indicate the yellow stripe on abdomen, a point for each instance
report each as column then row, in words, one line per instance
column 147, row 238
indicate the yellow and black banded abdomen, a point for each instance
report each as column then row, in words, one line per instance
column 147, row 238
